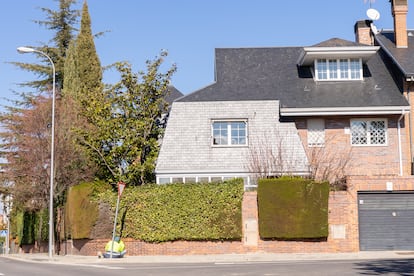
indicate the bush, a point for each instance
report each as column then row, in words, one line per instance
column 293, row 208
column 81, row 210
column 158, row 213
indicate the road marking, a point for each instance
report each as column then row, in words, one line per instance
column 106, row 267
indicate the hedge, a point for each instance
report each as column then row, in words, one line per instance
column 292, row 209
column 81, row 211
column 159, row 213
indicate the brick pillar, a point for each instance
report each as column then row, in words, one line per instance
column 250, row 219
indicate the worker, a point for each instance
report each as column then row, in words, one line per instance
column 117, row 248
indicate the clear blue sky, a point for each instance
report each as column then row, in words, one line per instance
column 189, row 29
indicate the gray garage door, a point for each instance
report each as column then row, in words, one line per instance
column 386, row 221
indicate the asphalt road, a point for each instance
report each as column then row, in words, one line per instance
column 9, row 267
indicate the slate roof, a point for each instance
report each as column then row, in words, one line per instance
column 273, row 74
column 404, row 57
column 173, row 94
column 337, row 42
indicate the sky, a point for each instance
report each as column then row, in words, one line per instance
column 190, row 30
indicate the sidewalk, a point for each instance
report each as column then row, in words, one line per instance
column 224, row 258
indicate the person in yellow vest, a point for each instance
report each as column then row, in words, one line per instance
column 118, row 248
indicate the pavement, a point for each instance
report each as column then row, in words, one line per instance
column 219, row 258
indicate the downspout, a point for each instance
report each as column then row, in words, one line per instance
column 410, row 123
column 399, row 142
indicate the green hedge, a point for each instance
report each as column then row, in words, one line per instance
column 81, row 211
column 30, row 226
column 158, row 213
column 292, row 208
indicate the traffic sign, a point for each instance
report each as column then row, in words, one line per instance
column 3, row 233
column 121, row 186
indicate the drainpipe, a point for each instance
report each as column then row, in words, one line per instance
column 410, row 123
column 399, row 141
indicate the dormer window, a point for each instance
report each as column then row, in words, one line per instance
column 338, row 69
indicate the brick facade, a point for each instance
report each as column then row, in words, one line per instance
column 364, row 160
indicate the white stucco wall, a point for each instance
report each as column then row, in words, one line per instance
column 187, row 148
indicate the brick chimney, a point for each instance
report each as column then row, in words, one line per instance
column 363, row 34
column 399, row 10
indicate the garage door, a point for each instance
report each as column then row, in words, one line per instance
column 386, row 221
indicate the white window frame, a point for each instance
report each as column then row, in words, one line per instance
column 343, row 69
column 369, row 122
column 316, row 132
column 229, row 140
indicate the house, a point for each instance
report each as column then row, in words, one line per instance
column 285, row 101
column 337, row 110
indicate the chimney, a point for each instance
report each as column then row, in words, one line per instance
column 399, row 10
column 363, row 34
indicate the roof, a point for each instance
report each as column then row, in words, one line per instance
column 273, row 74
column 336, row 48
column 172, row 94
column 403, row 57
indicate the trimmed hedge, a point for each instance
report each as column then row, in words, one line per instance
column 30, row 226
column 292, row 209
column 159, row 213
column 81, row 211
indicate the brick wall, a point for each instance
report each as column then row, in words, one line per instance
column 342, row 219
column 340, row 216
column 363, row 160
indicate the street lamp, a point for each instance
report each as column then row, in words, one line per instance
column 7, row 209
column 24, row 50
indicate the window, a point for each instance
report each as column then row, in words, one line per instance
column 229, row 133
column 338, row 69
column 316, row 132
column 369, row 132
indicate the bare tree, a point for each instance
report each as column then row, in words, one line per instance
column 26, row 147
column 330, row 162
column 271, row 156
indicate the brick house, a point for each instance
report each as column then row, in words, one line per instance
column 337, row 110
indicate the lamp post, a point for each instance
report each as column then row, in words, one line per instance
column 7, row 209
column 24, row 50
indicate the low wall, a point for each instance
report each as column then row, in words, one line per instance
column 342, row 218
column 338, row 241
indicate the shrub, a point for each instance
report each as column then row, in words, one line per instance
column 158, row 213
column 81, row 211
column 293, row 208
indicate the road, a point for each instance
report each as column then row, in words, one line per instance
column 9, row 267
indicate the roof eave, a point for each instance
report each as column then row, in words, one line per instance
column 377, row 110
column 408, row 76
column 309, row 54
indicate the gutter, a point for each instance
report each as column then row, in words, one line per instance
column 323, row 111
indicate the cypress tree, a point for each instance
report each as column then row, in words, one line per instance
column 71, row 74
column 88, row 66
column 62, row 22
